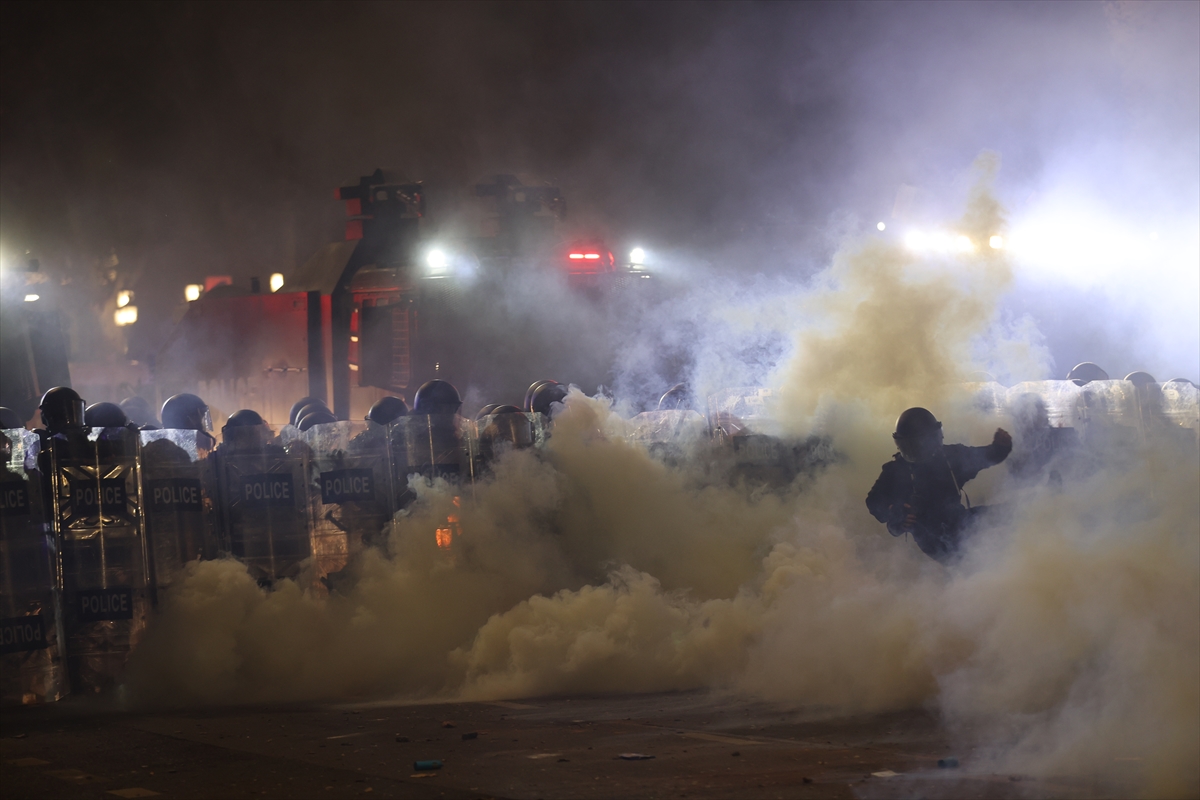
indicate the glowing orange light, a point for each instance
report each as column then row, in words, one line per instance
column 446, row 535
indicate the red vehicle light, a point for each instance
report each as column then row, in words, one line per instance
column 576, row 255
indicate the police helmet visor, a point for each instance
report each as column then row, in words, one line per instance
column 66, row 414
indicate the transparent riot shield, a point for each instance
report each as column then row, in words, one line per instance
column 32, row 664
column 732, row 412
column 988, row 397
column 497, row 434
column 1181, row 404
column 668, row 434
column 1179, row 415
column 105, row 562
column 351, row 492
column 179, row 488
column 682, row 425
column 433, row 445
column 1061, row 400
column 264, row 502
column 1109, row 416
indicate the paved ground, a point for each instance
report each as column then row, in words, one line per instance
column 704, row 746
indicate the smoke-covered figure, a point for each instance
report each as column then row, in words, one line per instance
column 920, row 490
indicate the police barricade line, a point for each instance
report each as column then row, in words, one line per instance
column 32, row 664
column 104, row 562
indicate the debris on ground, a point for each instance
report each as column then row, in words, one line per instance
column 425, row 766
column 447, row 724
column 948, row 762
column 471, row 735
column 634, row 756
column 886, row 773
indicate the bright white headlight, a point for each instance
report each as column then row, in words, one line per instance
column 436, row 259
column 637, row 256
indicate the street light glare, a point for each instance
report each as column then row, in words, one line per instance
column 881, row 226
column 637, row 256
column 30, row 298
column 276, row 281
column 192, row 291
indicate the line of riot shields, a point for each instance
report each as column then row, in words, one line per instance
column 96, row 525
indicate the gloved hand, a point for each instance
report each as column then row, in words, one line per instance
column 902, row 519
column 1001, row 444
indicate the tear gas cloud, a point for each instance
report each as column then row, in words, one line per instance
column 1070, row 637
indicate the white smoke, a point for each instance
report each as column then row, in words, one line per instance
column 1072, row 635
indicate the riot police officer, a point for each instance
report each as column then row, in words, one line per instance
column 105, row 415
column 188, row 412
column 919, row 490
column 303, row 403
column 62, row 410
column 139, row 412
column 674, row 398
column 10, row 419
column 387, row 410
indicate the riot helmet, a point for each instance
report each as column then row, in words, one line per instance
column 244, row 419
column 527, row 405
column 505, row 410
column 10, row 418
column 138, row 410
column 1140, row 379
column 918, row 434
column 674, row 398
column 486, row 410
column 318, row 417
column 547, row 395
column 245, row 431
column 186, row 412
column 387, row 410
column 308, row 409
column 436, row 397
column 294, row 414
column 105, row 415
column 1085, row 373
column 62, row 409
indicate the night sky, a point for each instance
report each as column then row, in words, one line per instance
column 206, row 138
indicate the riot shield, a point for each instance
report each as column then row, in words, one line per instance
column 1181, row 404
column 1061, row 399
column 32, row 666
column 179, row 488
column 496, row 434
column 1108, row 416
column 433, row 445
column 668, row 434
column 105, row 562
column 351, row 492
column 264, row 503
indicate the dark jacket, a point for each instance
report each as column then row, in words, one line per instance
column 931, row 489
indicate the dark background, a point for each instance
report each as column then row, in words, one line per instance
column 190, row 139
